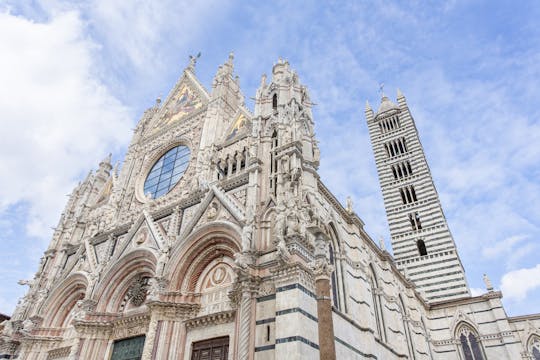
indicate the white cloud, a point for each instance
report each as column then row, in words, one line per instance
column 516, row 284
column 502, row 247
column 58, row 119
column 477, row 291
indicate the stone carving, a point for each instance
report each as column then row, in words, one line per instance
column 247, row 235
column 487, row 282
column 137, row 291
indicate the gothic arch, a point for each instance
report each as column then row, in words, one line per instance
column 213, row 241
column 114, row 285
column 533, row 346
column 62, row 299
column 268, row 227
column 469, row 344
column 406, row 328
column 377, row 304
column 337, row 279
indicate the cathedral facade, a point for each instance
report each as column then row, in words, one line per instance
column 216, row 239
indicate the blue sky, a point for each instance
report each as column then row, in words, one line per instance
column 76, row 76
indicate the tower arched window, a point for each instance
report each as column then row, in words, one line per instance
column 470, row 346
column 421, row 247
column 274, row 102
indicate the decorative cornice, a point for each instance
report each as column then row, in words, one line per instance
column 211, row 319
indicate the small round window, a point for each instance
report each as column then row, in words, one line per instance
column 167, row 171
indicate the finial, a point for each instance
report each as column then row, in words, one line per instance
column 381, row 89
column 231, row 58
column 263, row 80
column 399, row 93
column 193, row 61
column 368, row 106
column 158, row 101
column 487, row 281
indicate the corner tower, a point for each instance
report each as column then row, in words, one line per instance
column 423, row 247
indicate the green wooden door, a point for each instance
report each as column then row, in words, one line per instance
column 128, row 349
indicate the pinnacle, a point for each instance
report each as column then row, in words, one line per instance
column 368, row 106
column 399, row 93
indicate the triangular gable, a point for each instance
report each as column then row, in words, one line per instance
column 143, row 232
column 187, row 97
column 228, row 203
column 239, row 127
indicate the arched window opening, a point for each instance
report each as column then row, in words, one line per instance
column 402, row 196
column 387, row 151
column 421, row 247
column 243, row 159
column 380, row 127
column 400, row 172
column 417, row 221
column 377, row 310
column 534, row 347
column 273, row 162
column 335, row 299
column 274, row 102
column 413, row 193
column 401, row 148
column 394, row 172
column 409, row 168
column 411, row 220
column 404, row 144
column 471, row 348
column 409, row 197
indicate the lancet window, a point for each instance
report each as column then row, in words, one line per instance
column 471, row 347
column 408, row 194
column 401, row 170
column 414, row 219
column 396, row 147
column 389, row 124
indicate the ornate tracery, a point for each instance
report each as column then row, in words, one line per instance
column 471, row 348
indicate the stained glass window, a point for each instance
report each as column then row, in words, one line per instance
column 167, row 171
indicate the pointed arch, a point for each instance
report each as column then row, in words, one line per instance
column 376, row 300
column 404, row 319
column 112, row 288
column 470, row 346
column 533, row 346
column 59, row 304
column 337, row 279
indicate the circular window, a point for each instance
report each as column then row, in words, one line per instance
column 167, row 171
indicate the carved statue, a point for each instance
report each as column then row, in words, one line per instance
column 487, row 282
column 247, row 235
column 349, row 205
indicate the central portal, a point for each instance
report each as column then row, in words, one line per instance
column 212, row 349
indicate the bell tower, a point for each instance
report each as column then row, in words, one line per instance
column 423, row 247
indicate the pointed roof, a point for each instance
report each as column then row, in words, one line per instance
column 386, row 105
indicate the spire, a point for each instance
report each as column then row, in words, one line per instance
column 399, row 94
